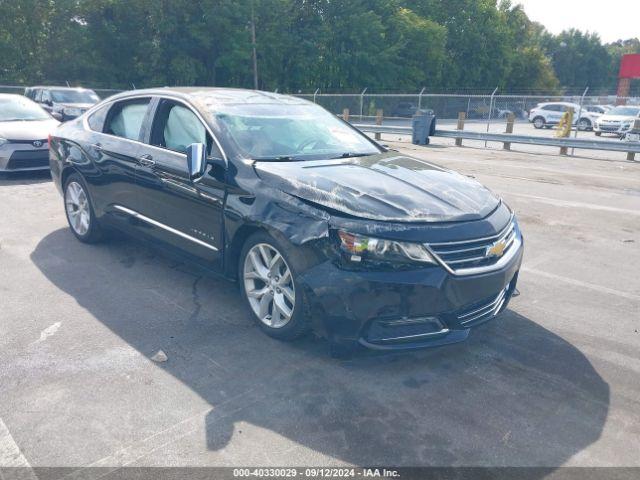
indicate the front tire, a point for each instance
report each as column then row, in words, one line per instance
column 538, row 122
column 268, row 282
column 598, row 134
column 79, row 210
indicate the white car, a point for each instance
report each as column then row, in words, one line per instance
column 24, row 132
column 546, row 115
column 618, row 120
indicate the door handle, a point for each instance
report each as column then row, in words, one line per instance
column 146, row 160
column 97, row 147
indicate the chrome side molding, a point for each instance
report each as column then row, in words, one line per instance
column 155, row 223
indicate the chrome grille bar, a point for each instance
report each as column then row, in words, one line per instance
column 466, row 257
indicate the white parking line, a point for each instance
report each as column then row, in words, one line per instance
column 12, row 457
column 579, row 283
column 565, row 203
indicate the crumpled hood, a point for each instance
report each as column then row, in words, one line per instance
column 385, row 187
column 28, row 130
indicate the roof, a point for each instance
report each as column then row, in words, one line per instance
column 57, row 88
column 212, row 96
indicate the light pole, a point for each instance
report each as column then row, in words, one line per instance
column 253, row 47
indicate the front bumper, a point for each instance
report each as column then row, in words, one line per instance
column 393, row 310
column 23, row 156
column 617, row 129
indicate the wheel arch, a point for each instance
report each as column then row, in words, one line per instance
column 234, row 247
column 67, row 171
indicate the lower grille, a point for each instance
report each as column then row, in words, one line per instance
column 28, row 159
column 482, row 311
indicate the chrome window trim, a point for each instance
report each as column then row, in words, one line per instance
column 88, row 113
column 153, row 222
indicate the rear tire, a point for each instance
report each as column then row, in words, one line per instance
column 268, row 279
column 78, row 208
column 584, row 124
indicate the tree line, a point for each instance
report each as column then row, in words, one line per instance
column 301, row 45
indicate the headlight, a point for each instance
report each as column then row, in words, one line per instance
column 3, row 141
column 359, row 247
column 74, row 112
column 626, row 126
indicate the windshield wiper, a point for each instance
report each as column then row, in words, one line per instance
column 281, row 158
column 352, row 154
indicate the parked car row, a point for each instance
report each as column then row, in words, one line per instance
column 599, row 118
column 548, row 115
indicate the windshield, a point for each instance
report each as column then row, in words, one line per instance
column 19, row 108
column 626, row 111
column 74, row 96
column 290, row 132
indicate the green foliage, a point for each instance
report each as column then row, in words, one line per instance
column 334, row 45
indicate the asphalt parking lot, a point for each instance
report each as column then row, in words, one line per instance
column 554, row 381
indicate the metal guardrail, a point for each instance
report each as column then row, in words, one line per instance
column 628, row 147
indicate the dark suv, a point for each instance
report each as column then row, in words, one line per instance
column 63, row 103
column 322, row 227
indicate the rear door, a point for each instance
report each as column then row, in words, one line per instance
column 114, row 145
column 187, row 214
column 554, row 112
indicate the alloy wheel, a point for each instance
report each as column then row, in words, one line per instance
column 77, row 206
column 269, row 286
column 584, row 124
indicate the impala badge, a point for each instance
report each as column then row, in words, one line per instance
column 496, row 250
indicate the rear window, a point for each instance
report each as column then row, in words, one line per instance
column 97, row 118
column 125, row 118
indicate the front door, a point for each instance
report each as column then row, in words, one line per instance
column 188, row 214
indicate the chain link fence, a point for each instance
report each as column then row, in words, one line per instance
column 448, row 106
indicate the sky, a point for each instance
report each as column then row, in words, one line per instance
column 612, row 20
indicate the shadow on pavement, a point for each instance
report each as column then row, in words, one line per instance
column 513, row 394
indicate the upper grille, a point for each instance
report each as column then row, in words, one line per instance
column 465, row 254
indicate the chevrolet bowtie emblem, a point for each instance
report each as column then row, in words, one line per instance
column 496, row 250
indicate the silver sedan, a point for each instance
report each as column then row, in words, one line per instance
column 24, row 133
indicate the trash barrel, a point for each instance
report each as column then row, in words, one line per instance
column 423, row 124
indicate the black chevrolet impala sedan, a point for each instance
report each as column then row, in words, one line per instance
column 322, row 228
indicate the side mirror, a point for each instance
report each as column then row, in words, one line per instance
column 196, row 160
